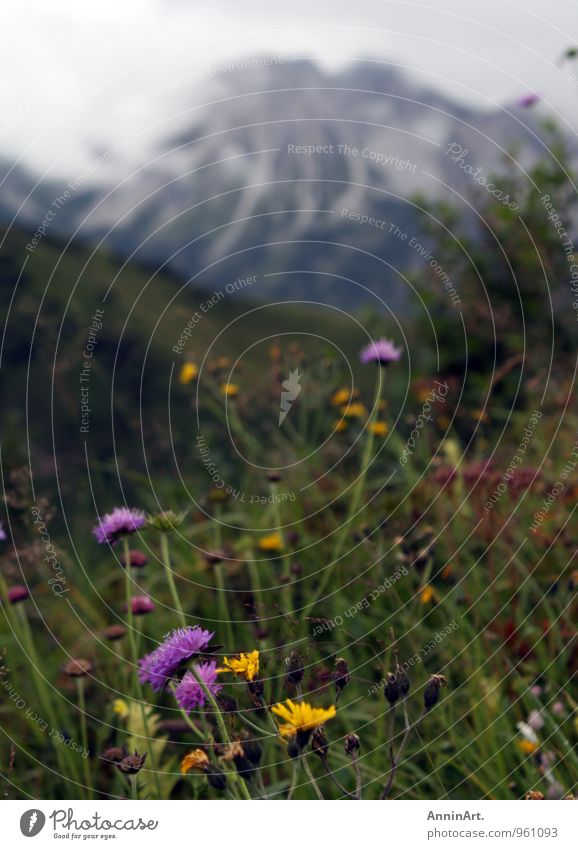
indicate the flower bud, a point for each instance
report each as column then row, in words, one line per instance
column 341, row 676
column 252, row 749
column 320, row 743
column 402, row 680
column 78, row 668
column 391, row 688
column 534, row 794
column 114, row 632
column 431, row 693
column 132, row 764
column 166, row 520
column 294, row 668
column 227, row 703
column 217, row 778
column 256, row 688
column 352, row 744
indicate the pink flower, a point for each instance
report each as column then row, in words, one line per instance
column 122, row 520
column 382, row 351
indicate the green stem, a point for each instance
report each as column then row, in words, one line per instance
column 171, row 578
column 294, row 777
column 224, row 614
column 225, row 739
column 137, row 688
column 354, row 503
column 187, row 718
column 84, row 733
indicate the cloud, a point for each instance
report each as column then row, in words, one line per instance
column 77, row 76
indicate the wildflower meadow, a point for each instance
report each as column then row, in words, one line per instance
column 293, row 516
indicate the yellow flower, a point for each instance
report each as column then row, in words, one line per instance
column 230, row 389
column 527, row 747
column 426, row 594
column 343, row 396
column 340, row 426
column 378, row 428
column 188, row 372
column 271, row 542
column 299, row 716
column 246, row 665
column 120, row 707
column 354, row 411
column 197, row 759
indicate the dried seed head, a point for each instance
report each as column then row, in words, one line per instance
column 273, row 475
column 352, row 744
column 534, row 794
column 341, row 675
column 294, row 668
column 431, row 693
column 78, row 668
column 320, row 743
column 132, row 764
column 391, row 688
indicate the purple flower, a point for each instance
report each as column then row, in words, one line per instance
column 382, row 351
column 158, row 667
column 122, row 520
column 141, row 604
column 189, row 693
column 2, row 532
column 528, row 100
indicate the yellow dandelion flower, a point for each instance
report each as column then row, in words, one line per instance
column 426, row 594
column 245, row 665
column 120, row 707
column 343, row 396
column 527, row 747
column 197, row 759
column 188, row 372
column 378, row 428
column 271, row 542
column 354, row 411
column 230, row 389
column 299, row 716
column 340, row 426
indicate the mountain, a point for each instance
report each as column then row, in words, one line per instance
column 283, row 171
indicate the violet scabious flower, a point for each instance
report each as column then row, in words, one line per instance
column 189, row 693
column 528, row 100
column 381, row 351
column 123, row 520
column 158, row 667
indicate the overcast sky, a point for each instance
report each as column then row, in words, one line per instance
column 76, row 68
